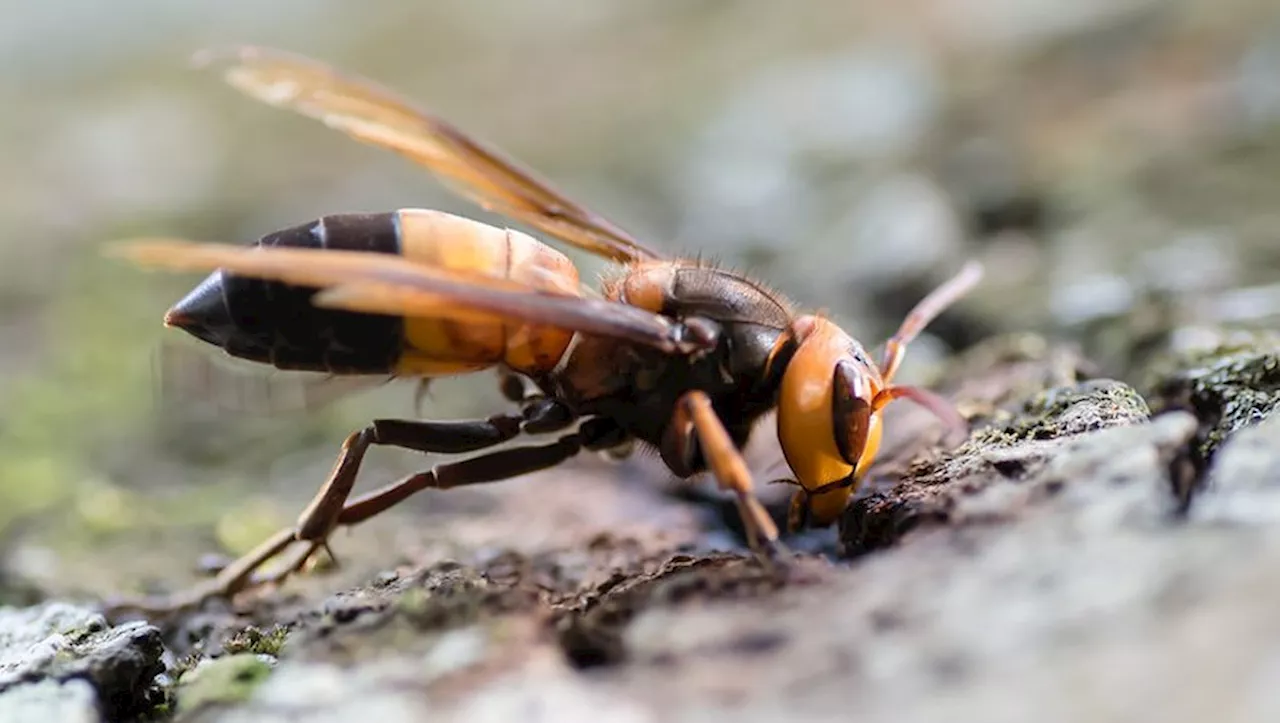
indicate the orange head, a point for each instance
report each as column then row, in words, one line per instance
column 831, row 397
column 827, row 422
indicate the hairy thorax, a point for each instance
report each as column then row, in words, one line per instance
column 638, row 387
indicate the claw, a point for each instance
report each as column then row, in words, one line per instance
column 774, row 555
column 333, row 559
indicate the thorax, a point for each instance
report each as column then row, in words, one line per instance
column 639, row 387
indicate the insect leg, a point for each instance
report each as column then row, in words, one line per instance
column 232, row 576
column 515, row 389
column 925, row 311
column 320, row 516
column 695, row 424
column 494, row 466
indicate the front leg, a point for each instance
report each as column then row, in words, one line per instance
column 695, row 428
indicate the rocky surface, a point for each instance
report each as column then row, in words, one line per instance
column 1074, row 560
column 1101, row 548
column 59, row 661
column 73, row 701
column 1229, row 386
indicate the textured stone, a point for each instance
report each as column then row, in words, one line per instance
column 61, row 642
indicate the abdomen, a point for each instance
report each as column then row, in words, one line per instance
column 276, row 323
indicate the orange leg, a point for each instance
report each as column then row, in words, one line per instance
column 695, row 425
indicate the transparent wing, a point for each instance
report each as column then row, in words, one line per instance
column 369, row 113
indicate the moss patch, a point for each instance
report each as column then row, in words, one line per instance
column 230, row 679
column 1228, row 387
column 254, row 640
column 1068, row 410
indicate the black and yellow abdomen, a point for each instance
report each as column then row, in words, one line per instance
column 276, row 323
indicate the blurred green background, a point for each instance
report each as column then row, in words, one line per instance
column 1115, row 163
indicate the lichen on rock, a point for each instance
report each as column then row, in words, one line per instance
column 71, row 701
column 1069, row 410
column 1228, row 387
column 61, row 642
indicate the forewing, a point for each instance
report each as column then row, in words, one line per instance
column 375, row 115
column 387, row 284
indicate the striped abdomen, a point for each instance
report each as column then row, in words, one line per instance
column 275, row 323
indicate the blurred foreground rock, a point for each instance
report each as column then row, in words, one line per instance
column 59, row 662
